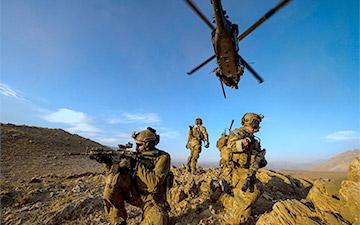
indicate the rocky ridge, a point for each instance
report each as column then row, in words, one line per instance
column 34, row 191
column 324, row 204
column 286, row 200
column 31, row 151
column 337, row 163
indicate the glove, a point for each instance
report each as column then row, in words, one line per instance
column 249, row 184
column 207, row 145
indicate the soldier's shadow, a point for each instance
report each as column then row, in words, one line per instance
column 280, row 188
column 195, row 215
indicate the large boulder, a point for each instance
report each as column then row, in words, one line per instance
column 350, row 193
column 324, row 204
column 289, row 212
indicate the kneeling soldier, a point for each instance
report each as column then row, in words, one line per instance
column 142, row 182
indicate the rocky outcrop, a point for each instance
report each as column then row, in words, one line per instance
column 77, row 199
column 337, row 163
column 324, row 204
column 350, row 193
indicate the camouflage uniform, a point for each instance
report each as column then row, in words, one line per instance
column 152, row 182
column 239, row 164
column 119, row 187
column 145, row 187
column 197, row 134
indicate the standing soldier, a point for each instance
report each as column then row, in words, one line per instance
column 241, row 157
column 197, row 134
column 145, row 186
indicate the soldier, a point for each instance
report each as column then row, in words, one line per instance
column 197, row 134
column 146, row 187
column 241, row 157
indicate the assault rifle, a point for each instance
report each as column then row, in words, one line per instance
column 109, row 157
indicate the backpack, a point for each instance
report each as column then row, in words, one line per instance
column 222, row 141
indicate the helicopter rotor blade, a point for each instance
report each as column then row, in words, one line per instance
column 252, row 71
column 200, row 14
column 222, row 87
column 201, row 65
column 263, row 19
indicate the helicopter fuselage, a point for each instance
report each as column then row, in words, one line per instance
column 225, row 38
column 225, row 47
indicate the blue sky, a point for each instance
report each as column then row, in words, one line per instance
column 103, row 69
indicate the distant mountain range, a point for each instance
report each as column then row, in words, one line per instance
column 337, row 163
column 287, row 165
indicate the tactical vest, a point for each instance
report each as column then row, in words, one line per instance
column 231, row 154
column 149, row 160
column 196, row 133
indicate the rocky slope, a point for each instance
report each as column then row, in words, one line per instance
column 77, row 199
column 286, row 200
column 337, row 163
column 32, row 151
column 52, row 187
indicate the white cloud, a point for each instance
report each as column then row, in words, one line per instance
column 119, row 138
column 345, row 135
column 148, row 118
column 83, row 128
column 9, row 92
column 79, row 122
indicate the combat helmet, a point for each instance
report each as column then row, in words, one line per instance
column 198, row 121
column 147, row 136
column 252, row 119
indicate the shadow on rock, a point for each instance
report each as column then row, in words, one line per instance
column 203, row 213
column 277, row 187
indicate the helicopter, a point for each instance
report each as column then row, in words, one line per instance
column 225, row 38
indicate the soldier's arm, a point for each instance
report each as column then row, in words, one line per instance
column 189, row 135
column 155, row 177
column 205, row 134
column 189, row 138
column 259, row 157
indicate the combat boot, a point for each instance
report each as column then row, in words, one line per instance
column 215, row 190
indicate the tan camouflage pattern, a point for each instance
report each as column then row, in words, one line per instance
column 118, row 189
column 196, row 136
column 147, row 135
column 237, row 208
column 233, row 155
column 151, row 180
column 237, row 163
column 150, row 192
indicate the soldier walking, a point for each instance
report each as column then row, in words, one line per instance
column 241, row 157
column 197, row 134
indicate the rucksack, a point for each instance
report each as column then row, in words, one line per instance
column 222, row 141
